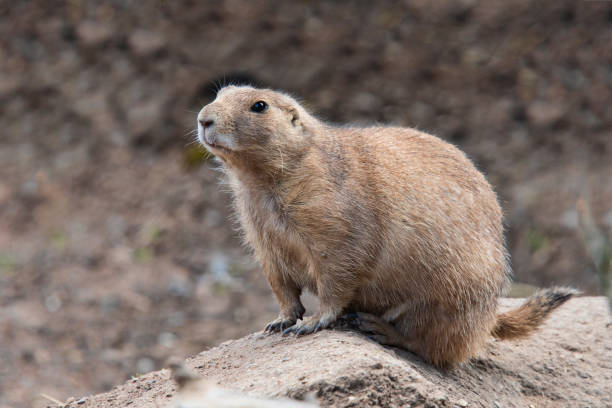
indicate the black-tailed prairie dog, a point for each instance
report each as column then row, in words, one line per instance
column 389, row 223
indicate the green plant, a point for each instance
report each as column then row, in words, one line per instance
column 195, row 155
column 7, row 264
column 536, row 240
column 598, row 245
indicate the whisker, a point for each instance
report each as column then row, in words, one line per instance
column 194, row 141
column 191, row 133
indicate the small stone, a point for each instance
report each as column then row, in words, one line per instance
column 583, row 375
column 166, row 339
column 82, row 401
column 53, row 303
column 544, row 114
column 462, row 403
column 145, row 43
column 145, row 365
column 92, row 33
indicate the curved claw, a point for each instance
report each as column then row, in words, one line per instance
column 277, row 325
column 308, row 326
column 378, row 338
column 288, row 330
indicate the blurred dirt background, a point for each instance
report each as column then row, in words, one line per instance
column 116, row 245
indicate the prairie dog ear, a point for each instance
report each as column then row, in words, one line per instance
column 294, row 115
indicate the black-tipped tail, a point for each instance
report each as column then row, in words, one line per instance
column 530, row 315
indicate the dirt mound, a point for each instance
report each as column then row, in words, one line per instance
column 568, row 363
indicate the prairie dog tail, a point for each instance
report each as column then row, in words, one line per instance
column 529, row 316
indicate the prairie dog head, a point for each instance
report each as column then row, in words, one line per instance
column 247, row 125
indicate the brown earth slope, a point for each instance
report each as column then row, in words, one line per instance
column 568, row 363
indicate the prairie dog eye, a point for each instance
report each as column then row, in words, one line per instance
column 259, row 107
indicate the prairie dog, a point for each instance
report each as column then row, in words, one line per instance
column 390, row 224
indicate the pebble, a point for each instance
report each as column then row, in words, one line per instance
column 145, row 365
column 583, row 375
column 462, row 403
column 166, row 339
column 92, row 33
column 146, row 43
column 81, row 401
column 53, row 303
column 544, row 114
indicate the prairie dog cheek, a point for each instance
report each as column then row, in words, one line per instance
column 200, row 133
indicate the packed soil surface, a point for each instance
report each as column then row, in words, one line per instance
column 566, row 364
column 117, row 249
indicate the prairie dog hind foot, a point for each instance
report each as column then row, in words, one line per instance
column 379, row 330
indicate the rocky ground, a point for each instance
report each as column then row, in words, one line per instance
column 115, row 247
column 568, row 363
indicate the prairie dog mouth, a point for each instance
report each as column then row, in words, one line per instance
column 212, row 140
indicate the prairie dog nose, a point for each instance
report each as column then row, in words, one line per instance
column 206, row 123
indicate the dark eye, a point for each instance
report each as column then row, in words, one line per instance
column 259, row 107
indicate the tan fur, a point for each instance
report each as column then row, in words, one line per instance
column 521, row 322
column 387, row 221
